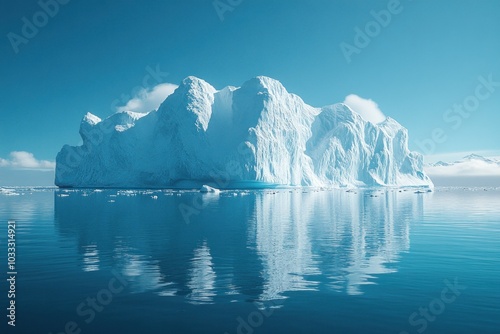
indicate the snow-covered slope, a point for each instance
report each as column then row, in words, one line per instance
column 470, row 160
column 257, row 135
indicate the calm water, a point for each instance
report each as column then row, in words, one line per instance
column 254, row 262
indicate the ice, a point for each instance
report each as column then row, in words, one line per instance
column 126, row 193
column 8, row 192
column 254, row 136
column 208, row 189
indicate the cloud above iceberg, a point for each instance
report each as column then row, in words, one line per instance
column 368, row 109
column 26, row 160
column 148, row 99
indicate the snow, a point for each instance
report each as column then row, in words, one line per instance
column 254, row 136
column 477, row 157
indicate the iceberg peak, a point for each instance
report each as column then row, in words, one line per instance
column 192, row 81
column 265, row 85
column 91, row 119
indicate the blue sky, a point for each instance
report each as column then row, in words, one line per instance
column 92, row 55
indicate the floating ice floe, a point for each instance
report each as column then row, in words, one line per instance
column 208, row 189
column 8, row 192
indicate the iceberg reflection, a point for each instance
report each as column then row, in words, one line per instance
column 90, row 258
column 202, row 277
column 262, row 246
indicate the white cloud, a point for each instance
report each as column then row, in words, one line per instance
column 149, row 99
column 465, row 169
column 368, row 109
column 26, row 160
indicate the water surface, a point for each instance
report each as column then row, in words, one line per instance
column 276, row 261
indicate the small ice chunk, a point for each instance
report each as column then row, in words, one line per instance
column 208, row 189
column 8, row 192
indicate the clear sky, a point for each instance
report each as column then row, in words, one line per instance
column 416, row 64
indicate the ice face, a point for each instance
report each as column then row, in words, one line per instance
column 257, row 135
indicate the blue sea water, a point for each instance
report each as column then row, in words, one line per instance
column 255, row 261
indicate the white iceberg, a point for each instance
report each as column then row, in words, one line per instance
column 254, row 136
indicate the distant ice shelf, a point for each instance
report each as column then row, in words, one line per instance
column 254, row 136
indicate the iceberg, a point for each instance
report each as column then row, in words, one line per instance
column 255, row 136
